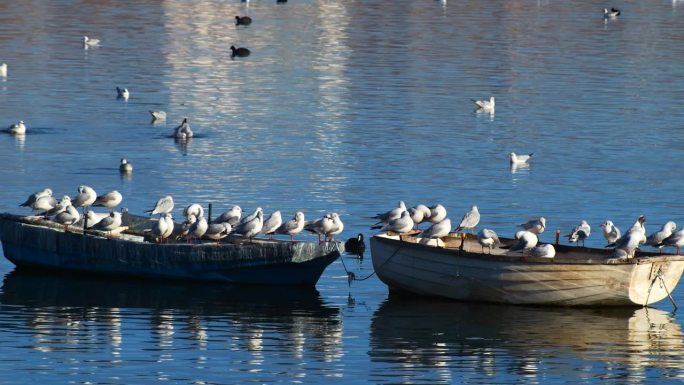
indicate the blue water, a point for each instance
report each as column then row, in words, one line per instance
column 348, row 107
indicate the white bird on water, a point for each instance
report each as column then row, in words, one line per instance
column 122, row 93
column 486, row 105
column 88, row 42
column 517, row 160
column 183, row 131
column 611, row 14
column 488, row 238
column 610, row 232
column 292, row 227
column 3, row 70
column 164, row 205
column 158, row 116
column 470, row 219
column 125, row 166
column 18, row 128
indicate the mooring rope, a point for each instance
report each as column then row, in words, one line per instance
column 659, row 275
column 352, row 277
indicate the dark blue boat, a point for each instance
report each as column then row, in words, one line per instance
column 29, row 242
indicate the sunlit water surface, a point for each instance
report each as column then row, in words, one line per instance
column 344, row 106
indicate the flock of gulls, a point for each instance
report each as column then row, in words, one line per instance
column 194, row 228
column 404, row 220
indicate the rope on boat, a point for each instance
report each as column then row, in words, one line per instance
column 659, row 275
column 352, row 277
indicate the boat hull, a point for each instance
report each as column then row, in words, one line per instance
column 263, row 262
column 467, row 276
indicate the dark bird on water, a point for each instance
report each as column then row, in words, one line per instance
column 240, row 52
column 355, row 245
column 244, row 20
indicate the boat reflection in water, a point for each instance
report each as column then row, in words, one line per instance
column 426, row 340
column 169, row 320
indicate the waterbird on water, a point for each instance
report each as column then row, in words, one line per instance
column 157, row 115
column 610, row 14
column 3, row 70
column 88, row 42
column 125, row 166
column 239, row 52
column 122, row 93
column 244, row 20
column 18, row 128
column 183, row 131
column 519, row 159
column 485, row 105
column 355, row 245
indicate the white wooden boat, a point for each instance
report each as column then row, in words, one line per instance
column 577, row 276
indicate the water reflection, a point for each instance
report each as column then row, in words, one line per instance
column 439, row 340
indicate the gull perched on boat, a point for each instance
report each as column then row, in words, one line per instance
column 193, row 209
column 321, row 226
column 249, row 229
column 122, row 93
column 67, row 217
column 419, row 214
column 164, row 205
column 94, row 218
column 3, row 70
column 337, row 226
column 231, row 216
column 485, row 105
column 160, row 228
column 470, row 219
column 437, row 213
column 610, row 232
column 218, row 231
column 488, row 238
column 543, row 251
column 437, row 230
column 253, row 215
column 517, row 160
column 526, row 241
column 272, row 224
column 292, row 227
column 45, row 203
column 656, row 239
column 58, row 207
column 18, row 128
column 34, row 197
column 536, row 226
column 635, row 236
column 676, row 240
column 125, row 166
column 390, row 215
column 85, row 198
column 110, row 223
column 183, row 131
column 185, row 226
column 400, row 225
column 611, row 14
column 198, row 228
column 158, row 115
column 109, row 200
column 89, row 42
column 579, row 233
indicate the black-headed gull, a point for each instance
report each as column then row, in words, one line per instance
column 183, row 131
column 292, row 227
column 543, row 251
column 122, row 93
column 164, row 205
column 610, row 232
column 271, row 224
column 18, row 128
column 109, row 200
column 89, row 42
column 231, row 216
column 486, row 105
column 526, row 241
column 517, row 160
column 656, row 239
column 437, row 230
column 579, row 233
column 488, row 238
column 403, row 224
column 34, row 197
column 469, row 220
column 125, row 166
column 536, row 226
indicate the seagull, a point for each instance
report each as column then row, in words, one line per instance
column 244, row 20
column 58, row 207
column 198, row 229
column 635, row 236
column 160, row 228
column 437, row 230
column 67, row 217
column 239, row 52
column 164, row 205
column 437, row 213
column 110, row 223
column 676, row 240
column 18, row 128
column 109, row 200
column 218, row 231
column 485, row 105
column 125, row 166
column 536, row 226
column 580, row 233
column 33, row 197
column 488, row 238
column 94, row 218
column 249, row 229
column 610, row 231
column 45, row 203
column 185, row 226
column 193, row 209
column 183, row 131
column 419, row 214
column 122, row 93
column 292, row 227
column 526, row 241
column 392, row 214
column 656, row 239
column 158, row 115
column 272, row 224
column 517, row 160
column 3, row 70
column 470, row 219
column 321, row 226
column 253, row 215
column 611, row 14
column 85, row 198
column 543, row 251
column 400, row 225
column 337, row 226
column 88, row 42
column 231, row 216
column 170, row 225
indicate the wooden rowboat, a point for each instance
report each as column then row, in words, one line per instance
column 31, row 242
column 577, row 276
